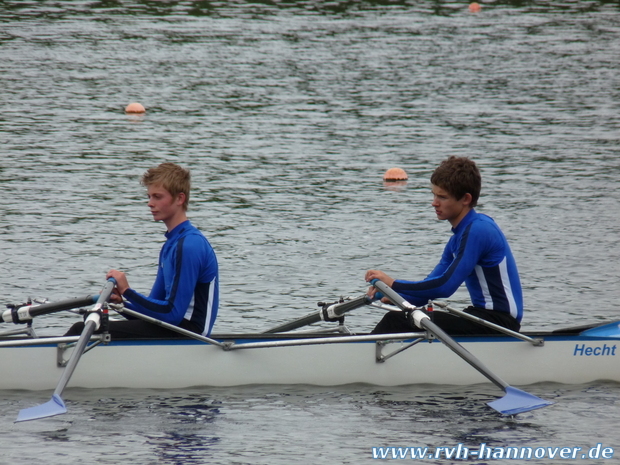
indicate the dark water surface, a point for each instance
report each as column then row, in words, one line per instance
column 288, row 114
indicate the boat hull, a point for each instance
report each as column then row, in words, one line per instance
column 181, row 363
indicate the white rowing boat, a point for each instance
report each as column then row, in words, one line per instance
column 313, row 359
column 572, row 356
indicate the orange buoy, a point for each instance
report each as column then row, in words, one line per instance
column 395, row 174
column 475, row 7
column 134, row 108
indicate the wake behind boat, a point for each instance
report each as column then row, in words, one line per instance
column 285, row 355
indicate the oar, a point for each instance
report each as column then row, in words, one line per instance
column 515, row 401
column 332, row 312
column 56, row 406
column 28, row 312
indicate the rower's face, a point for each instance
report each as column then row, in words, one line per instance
column 448, row 207
column 161, row 203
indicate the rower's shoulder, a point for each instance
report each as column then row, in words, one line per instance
column 483, row 223
column 484, row 219
column 196, row 241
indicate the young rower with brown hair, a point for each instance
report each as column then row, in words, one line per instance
column 477, row 254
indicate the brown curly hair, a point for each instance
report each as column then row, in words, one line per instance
column 458, row 176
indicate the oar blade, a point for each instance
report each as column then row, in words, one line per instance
column 55, row 406
column 518, row 401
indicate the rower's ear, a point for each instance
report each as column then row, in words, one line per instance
column 466, row 199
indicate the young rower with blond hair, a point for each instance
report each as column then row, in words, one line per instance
column 186, row 288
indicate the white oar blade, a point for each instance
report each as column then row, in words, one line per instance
column 517, row 401
column 53, row 407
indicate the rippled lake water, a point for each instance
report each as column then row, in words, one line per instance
column 288, row 114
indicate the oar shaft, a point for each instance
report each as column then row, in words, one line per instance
column 56, row 406
column 461, row 351
column 309, row 319
column 333, row 311
column 425, row 322
column 28, row 312
column 515, row 401
column 92, row 323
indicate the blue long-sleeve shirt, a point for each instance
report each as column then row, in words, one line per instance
column 186, row 286
column 478, row 255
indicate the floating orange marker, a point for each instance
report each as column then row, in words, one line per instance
column 134, row 108
column 475, row 7
column 395, row 174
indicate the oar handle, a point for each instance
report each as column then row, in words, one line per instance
column 391, row 294
column 106, row 292
column 337, row 310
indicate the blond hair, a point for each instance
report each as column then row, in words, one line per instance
column 172, row 177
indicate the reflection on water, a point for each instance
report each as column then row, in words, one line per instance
column 259, row 424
